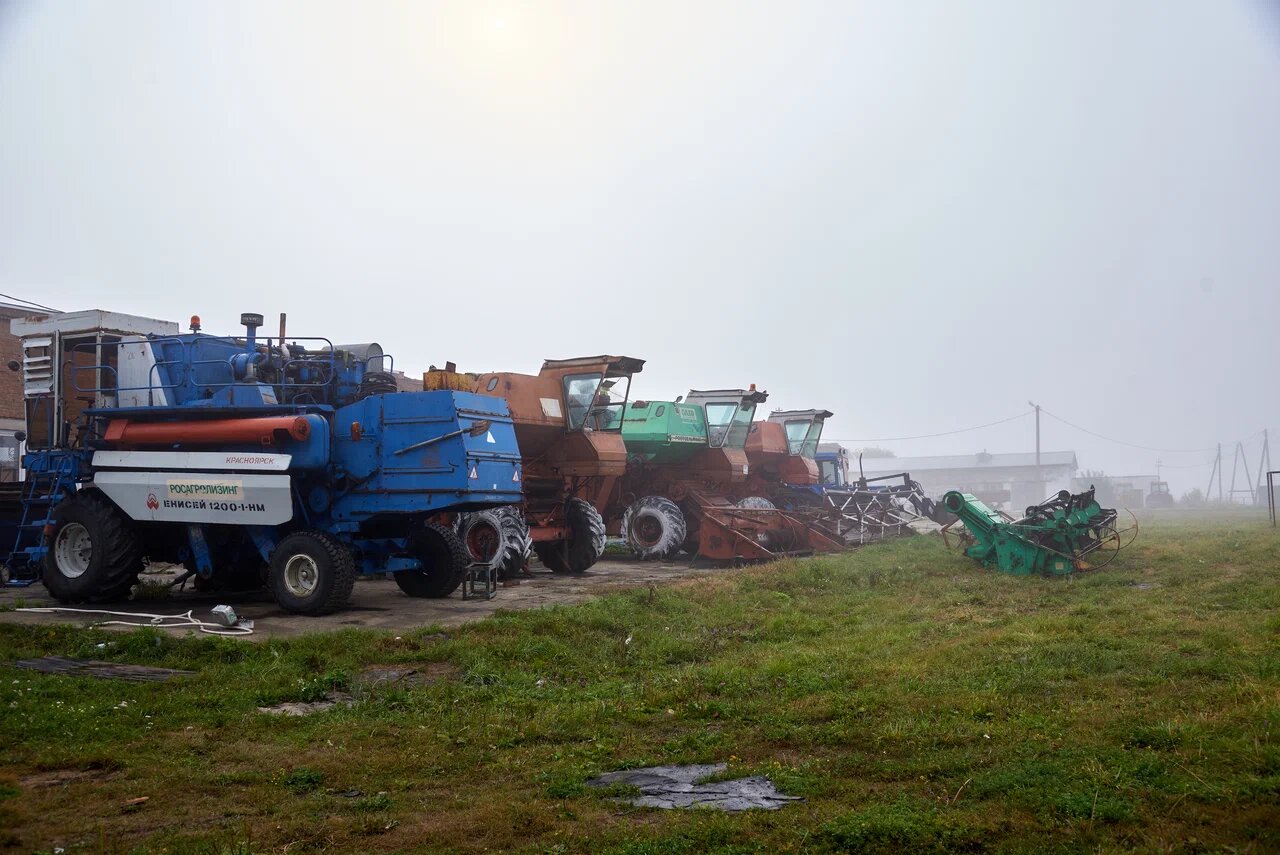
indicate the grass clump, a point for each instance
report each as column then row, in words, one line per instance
column 303, row 780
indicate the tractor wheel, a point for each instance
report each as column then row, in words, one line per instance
column 312, row 573
column 519, row 544
column 584, row 547
column 444, row 562
column 757, row 503
column 482, row 535
column 654, row 527
column 94, row 553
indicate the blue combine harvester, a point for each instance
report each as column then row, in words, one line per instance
column 294, row 462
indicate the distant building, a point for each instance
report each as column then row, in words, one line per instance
column 1007, row 481
column 1126, row 491
column 12, row 409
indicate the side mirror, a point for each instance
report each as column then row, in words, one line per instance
column 14, row 365
column 20, row 435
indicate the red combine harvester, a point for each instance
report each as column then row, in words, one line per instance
column 568, row 423
column 783, row 450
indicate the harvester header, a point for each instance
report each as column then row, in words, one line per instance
column 1062, row 534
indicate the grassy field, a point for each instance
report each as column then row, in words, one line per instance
column 916, row 702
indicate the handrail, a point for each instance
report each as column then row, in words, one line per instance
column 184, row 368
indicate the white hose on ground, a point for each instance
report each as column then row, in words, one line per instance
column 187, row 619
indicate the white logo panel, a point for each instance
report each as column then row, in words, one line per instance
column 200, row 498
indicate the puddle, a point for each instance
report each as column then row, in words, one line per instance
column 671, row 787
column 308, row 707
column 403, row 676
column 62, row 777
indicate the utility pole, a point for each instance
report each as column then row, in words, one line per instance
column 1219, row 473
column 1039, row 477
column 1264, row 463
column 1236, row 460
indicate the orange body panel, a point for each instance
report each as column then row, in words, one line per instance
column 266, row 430
column 770, row 462
column 557, row 462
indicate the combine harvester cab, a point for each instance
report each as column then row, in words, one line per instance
column 246, row 460
column 688, row 462
column 792, row 468
column 782, row 452
column 568, row 420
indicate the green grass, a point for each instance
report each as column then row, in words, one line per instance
column 916, row 701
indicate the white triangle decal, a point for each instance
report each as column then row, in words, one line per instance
column 515, row 475
column 474, row 473
column 488, row 437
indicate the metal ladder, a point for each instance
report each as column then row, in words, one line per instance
column 44, row 487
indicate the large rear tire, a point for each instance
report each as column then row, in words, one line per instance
column 496, row 536
column 519, row 543
column 444, row 563
column 312, row 573
column 585, row 544
column 654, row 527
column 482, row 535
column 94, row 553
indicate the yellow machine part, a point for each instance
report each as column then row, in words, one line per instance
column 438, row 380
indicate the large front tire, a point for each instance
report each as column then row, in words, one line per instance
column 444, row 563
column 312, row 573
column 94, row 553
column 585, row 544
column 654, row 527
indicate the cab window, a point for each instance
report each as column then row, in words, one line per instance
column 579, row 393
column 796, row 433
column 719, row 420
column 803, row 436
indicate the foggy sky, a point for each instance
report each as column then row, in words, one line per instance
column 918, row 215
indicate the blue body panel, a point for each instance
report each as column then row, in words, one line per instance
column 457, row 472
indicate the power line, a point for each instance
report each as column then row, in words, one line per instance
column 1130, row 444
column 28, row 302
column 932, row 435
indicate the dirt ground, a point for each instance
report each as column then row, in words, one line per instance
column 377, row 602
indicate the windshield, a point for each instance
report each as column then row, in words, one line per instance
column 579, row 393
column 803, row 436
column 595, row 401
column 728, row 424
column 610, row 401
